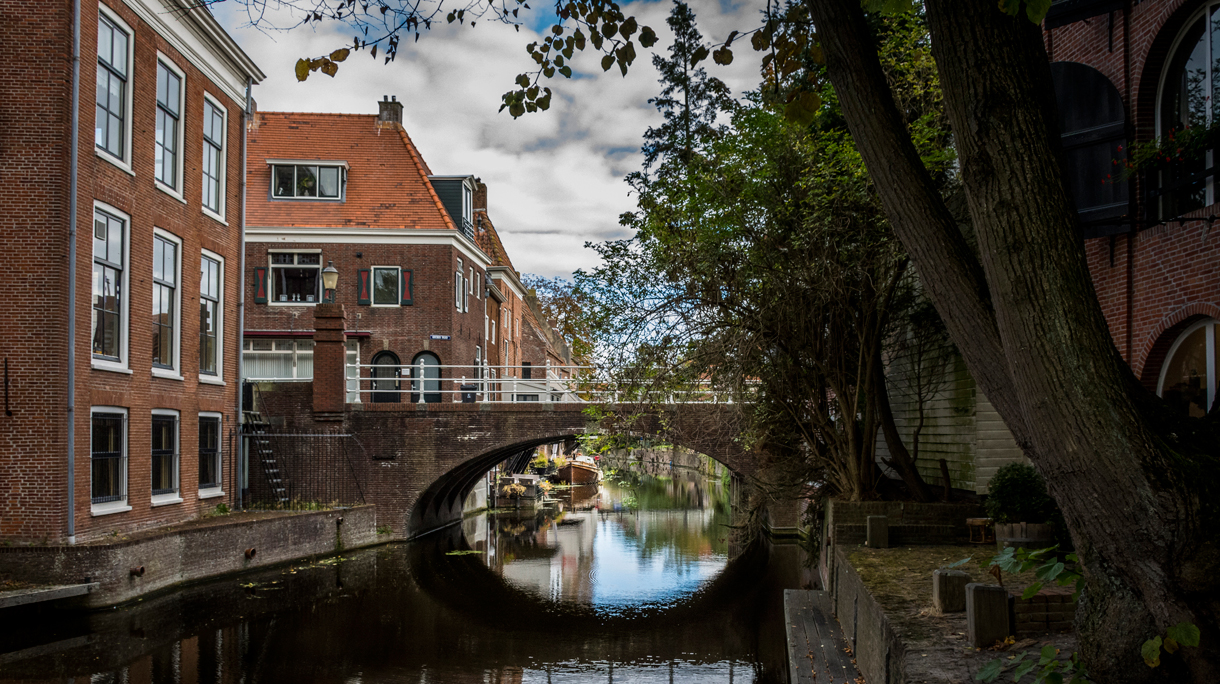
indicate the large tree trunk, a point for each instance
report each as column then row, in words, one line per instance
column 1026, row 318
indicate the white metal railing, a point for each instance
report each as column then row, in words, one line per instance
column 507, row 384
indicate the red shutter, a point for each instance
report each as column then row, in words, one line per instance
column 408, row 287
column 363, row 287
column 260, row 285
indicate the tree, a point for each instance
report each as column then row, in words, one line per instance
column 563, row 308
column 1137, row 484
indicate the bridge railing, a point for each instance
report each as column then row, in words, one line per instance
column 516, row 384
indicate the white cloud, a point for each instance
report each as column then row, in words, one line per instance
column 555, row 179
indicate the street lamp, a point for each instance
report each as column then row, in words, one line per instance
column 330, row 280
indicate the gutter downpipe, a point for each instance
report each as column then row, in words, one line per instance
column 75, row 162
column 241, row 296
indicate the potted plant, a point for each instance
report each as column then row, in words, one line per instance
column 1025, row 515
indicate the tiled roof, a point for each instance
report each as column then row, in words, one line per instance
column 387, row 180
column 489, row 240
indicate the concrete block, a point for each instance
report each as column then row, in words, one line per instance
column 986, row 614
column 878, row 536
column 949, row 590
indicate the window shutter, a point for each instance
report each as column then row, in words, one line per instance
column 363, row 288
column 260, row 285
column 408, row 286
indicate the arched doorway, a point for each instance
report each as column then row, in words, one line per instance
column 387, row 375
column 431, row 375
column 1189, row 375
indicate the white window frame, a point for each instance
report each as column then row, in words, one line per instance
column 123, row 364
column 218, row 378
column 341, row 166
column 247, row 348
column 457, row 285
column 110, row 507
column 174, row 373
column 125, row 162
column 271, row 298
column 1209, row 341
column 218, row 490
column 173, row 190
column 174, row 497
column 397, row 286
column 351, row 355
column 224, row 162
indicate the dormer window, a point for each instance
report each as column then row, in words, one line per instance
column 308, row 180
column 457, row 194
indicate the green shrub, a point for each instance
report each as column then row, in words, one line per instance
column 1018, row 494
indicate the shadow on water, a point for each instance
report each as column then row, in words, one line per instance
column 412, row 613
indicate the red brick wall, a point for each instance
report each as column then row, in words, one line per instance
column 1175, row 267
column 35, row 234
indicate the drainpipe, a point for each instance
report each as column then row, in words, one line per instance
column 241, row 293
column 74, row 156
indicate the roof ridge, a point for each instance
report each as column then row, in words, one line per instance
column 421, row 166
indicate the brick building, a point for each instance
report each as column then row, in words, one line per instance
column 123, row 261
column 1140, row 72
column 425, row 282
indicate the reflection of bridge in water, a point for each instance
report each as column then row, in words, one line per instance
column 410, row 613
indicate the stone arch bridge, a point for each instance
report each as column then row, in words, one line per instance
column 418, row 462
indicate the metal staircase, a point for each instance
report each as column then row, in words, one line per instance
column 258, row 442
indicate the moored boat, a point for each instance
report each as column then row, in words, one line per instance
column 580, row 470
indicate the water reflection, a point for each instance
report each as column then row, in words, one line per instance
column 635, row 541
column 421, row 613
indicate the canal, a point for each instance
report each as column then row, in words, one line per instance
column 636, row 579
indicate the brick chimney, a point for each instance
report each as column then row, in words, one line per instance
column 390, row 110
column 329, row 362
column 480, row 195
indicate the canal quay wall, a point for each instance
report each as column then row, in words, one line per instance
column 130, row 567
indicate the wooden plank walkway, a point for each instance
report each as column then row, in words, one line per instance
column 817, row 651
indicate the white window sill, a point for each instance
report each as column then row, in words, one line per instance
column 385, row 306
column 122, row 165
column 273, row 303
column 109, row 508
column 169, row 191
column 166, row 500
column 210, row 493
column 211, row 380
column 215, row 217
column 166, row 374
column 110, row 367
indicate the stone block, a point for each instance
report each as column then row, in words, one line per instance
column 878, row 535
column 986, row 614
column 949, row 590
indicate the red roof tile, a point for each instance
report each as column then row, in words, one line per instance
column 387, row 180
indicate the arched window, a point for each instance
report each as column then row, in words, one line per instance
column 1188, row 378
column 428, row 367
column 1188, row 87
column 386, row 378
column 1092, row 126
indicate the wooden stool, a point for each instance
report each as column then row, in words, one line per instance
column 981, row 530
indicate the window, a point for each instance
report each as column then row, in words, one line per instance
column 164, row 455
column 385, row 286
column 296, row 277
column 209, row 315
column 526, row 370
column 169, row 111
column 353, row 371
column 113, row 56
column 213, row 157
column 209, row 452
column 457, row 286
column 1189, row 377
column 109, row 283
column 108, row 456
column 470, row 284
column 1187, row 90
column 165, row 302
column 265, row 359
column 301, row 181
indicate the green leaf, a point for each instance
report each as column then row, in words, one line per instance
column 648, row 37
column 1010, row 7
column 566, row 71
column 991, row 671
column 1031, row 591
column 698, row 55
column 532, row 92
column 628, row 28
column 1170, row 645
column 1023, row 669
column 523, row 80
column 302, row 69
column 1048, row 654
column 1185, row 634
column 1053, row 678
column 1151, row 650
column 607, row 62
column 580, row 40
column 1036, row 10
column 959, row 563
column 723, row 56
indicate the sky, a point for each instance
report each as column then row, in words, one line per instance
column 555, row 178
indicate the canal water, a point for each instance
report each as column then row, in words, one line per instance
column 636, row 579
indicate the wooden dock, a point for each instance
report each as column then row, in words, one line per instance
column 817, row 651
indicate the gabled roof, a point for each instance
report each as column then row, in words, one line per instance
column 488, row 240
column 387, row 180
